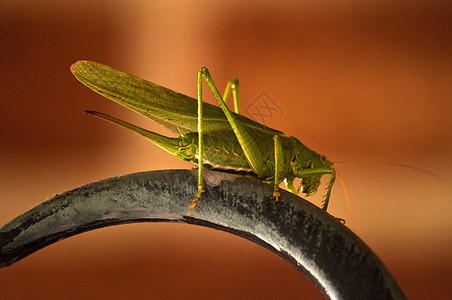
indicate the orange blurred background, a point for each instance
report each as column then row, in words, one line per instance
column 354, row 81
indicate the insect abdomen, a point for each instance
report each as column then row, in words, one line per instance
column 222, row 153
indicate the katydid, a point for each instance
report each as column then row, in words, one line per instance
column 210, row 135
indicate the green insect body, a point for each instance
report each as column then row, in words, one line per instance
column 210, row 135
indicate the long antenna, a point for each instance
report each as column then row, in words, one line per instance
column 389, row 163
column 347, row 195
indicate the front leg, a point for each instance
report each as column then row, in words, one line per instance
column 328, row 191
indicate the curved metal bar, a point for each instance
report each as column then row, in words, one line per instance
column 326, row 251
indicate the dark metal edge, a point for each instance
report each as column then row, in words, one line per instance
column 326, row 251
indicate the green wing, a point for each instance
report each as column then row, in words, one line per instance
column 173, row 110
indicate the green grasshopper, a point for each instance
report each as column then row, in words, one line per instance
column 210, row 135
